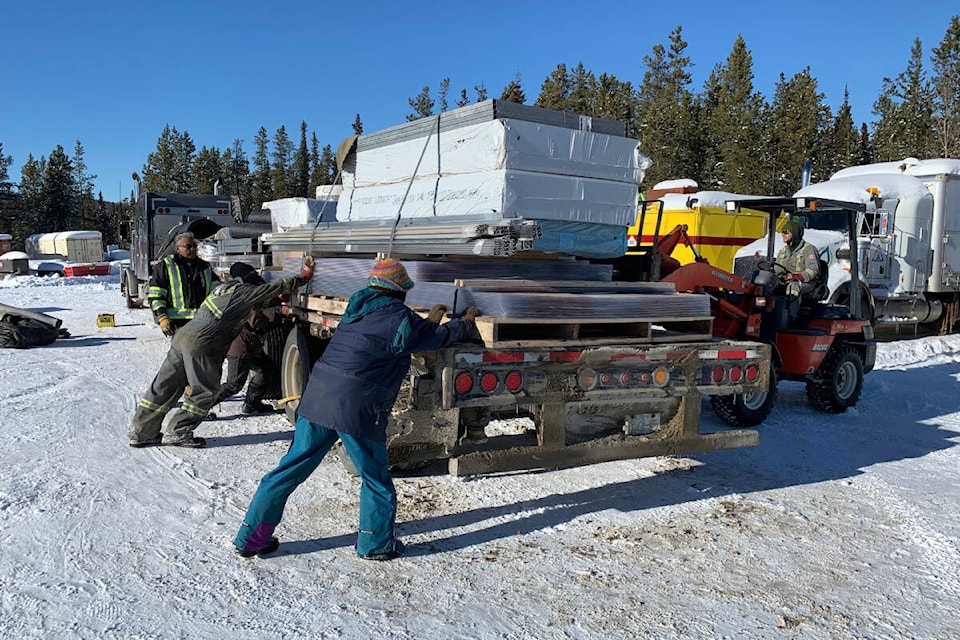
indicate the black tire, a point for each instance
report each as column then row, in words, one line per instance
column 294, row 370
column 746, row 409
column 838, row 382
column 273, row 344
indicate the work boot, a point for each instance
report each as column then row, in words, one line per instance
column 254, row 408
column 186, row 440
column 396, row 552
column 272, row 546
column 149, row 442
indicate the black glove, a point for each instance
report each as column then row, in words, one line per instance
column 436, row 313
column 470, row 314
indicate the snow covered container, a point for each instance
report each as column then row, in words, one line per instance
column 73, row 246
column 6, row 243
column 496, row 159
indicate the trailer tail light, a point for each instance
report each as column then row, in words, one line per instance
column 463, row 383
column 513, row 381
column 488, row 382
column 604, row 378
column 587, row 379
column 718, row 375
column 753, row 372
column 661, row 377
column 625, row 378
column 736, row 374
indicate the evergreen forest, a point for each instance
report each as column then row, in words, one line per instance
column 725, row 135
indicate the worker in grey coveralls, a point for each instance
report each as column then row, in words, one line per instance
column 196, row 358
column 798, row 265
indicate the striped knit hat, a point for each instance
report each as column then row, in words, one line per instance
column 390, row 275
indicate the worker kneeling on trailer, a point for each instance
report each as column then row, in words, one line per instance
column 349, row 396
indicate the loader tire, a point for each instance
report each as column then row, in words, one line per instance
column 838, row 382
column 746, row 409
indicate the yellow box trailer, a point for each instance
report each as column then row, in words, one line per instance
column 715, row 233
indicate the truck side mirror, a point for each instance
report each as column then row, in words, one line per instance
column 886, row 223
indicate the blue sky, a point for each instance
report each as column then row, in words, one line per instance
column 113, row 74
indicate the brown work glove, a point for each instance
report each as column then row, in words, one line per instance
column 436, row 313
column 165, row 325
column 306, row 272
column 470, row 314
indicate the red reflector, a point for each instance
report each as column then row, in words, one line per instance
column 625, row 378
column 753, row 372
column 488, row 382
column 513, row 381
column 564, row 356
column 605, row 378
column 736, row 373
column 502, row 357
column 732, row 353
column 463, row 383
column 718, row 374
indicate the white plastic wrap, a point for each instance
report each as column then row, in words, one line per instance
column 506, row 193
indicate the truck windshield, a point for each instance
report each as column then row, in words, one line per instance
column 829, row 221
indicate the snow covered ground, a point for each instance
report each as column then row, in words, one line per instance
column 833, row 527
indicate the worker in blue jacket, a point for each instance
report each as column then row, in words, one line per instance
column 349, row 396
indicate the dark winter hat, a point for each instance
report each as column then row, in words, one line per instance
column 245, row 272
column 389, row 275
column 792, row 226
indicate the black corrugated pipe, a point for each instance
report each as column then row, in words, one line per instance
column 243, row 230
column 259, row 217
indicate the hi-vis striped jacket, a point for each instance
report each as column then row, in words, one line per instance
column 177, row 289
column 224, row 312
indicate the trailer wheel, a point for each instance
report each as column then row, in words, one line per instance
column 746, row 409
column 839, row 381
column 130, row 290
column 294, row 370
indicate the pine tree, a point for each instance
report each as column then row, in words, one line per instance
column 8, row 200
column 280, row 174
column 301, row 166
column 513, row 92
column 238, row 182
column 422, row 105
column 555, row 90
column 904, row 126
column 207, row 169
column 481, row 91
column 262, row 183
column 106, row 222
column 30, row 199
column 357, row 125
column 316, row 176
column 442, row 94
column 800, row 125
column 59, row 195
column 843, row 141
column 946, row 91
column 616, row 100
column 583, row 90
column 183, row 163
column 463, row 100
column 158, row 172
column 5, row 162
column 328, row 165
column 666, row 124
column 734, row 118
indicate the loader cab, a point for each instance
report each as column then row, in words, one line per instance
column 833, row 216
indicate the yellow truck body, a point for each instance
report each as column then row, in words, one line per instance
column 716, row 234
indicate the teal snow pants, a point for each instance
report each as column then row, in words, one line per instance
column 311, row 442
